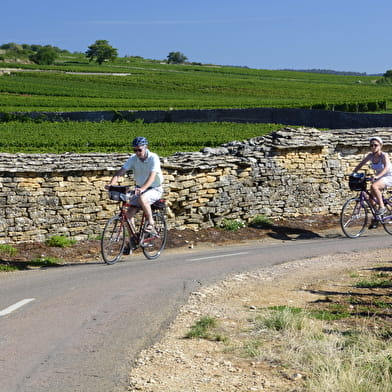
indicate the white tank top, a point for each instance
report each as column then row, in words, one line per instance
column 379, row 166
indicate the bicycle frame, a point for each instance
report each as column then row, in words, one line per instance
column 365, row 195
column 137, row 234
column 356, row 210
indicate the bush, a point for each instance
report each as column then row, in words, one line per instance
column 44, row 56
column 232, row 224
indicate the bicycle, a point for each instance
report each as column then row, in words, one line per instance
column 113, row 240
column 355, row 211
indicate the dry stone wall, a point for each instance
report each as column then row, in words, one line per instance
column 284, row 174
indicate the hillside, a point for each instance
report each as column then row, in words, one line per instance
column 135, row 83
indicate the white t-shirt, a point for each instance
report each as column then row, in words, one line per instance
column 142, row 169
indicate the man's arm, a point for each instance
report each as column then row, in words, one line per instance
column 116, row 177
column 147, row 184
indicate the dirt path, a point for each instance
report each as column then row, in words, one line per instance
column 177, row 364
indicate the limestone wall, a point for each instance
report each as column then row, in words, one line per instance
column 284, row 174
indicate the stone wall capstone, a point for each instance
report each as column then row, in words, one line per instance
column 284, row 174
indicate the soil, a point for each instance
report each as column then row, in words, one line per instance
column 205, row 364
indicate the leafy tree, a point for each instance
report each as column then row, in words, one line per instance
column 9, row 46
column 44, row 56
column 101, row 51
column 388, row 74
column 176, row 58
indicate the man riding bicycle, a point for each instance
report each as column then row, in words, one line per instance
column 148, row 176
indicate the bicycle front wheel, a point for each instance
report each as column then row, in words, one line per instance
column 113, row 240
column 153, row 244
column 354, row 217
column 387, row 219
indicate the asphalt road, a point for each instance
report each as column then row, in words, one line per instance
column 79, row 327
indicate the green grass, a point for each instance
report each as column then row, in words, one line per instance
column 44, row 261
column 206, row 328
column 60, row 241
column 7, row 250
column 376, row 280
column 261, row 221
column 281, row 318
column 232, row 224
column 373, row 284
column 8, row 268
column 38, row 262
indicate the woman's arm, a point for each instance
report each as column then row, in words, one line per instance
column 387, row 166
column 364, row 160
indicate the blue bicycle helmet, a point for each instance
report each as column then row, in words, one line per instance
column 139, row 141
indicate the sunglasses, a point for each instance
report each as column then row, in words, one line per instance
column 138, row 149
column 374, row 145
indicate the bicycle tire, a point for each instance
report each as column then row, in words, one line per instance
column 113, row 240
column 153, row 245
column 354, row 217
column 387, row 220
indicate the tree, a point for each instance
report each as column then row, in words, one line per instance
column 101, row 51
column 176, row 58
column 44, row 56
column 388, row 74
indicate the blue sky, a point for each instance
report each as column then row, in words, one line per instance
column 345, row 35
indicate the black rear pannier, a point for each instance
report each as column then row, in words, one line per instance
column 357, row 182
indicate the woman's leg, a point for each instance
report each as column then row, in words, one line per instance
column 376, row 190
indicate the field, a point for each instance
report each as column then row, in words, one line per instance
column 134, row 83
column 72, row 84
column 165, row 138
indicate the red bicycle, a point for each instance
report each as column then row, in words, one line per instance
column 118, row 228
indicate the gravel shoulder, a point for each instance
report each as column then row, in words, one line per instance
column 179, row 364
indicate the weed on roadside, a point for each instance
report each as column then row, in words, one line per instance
column 232, row 224
column 206, row 328
column 7, row 250
column 60, row 241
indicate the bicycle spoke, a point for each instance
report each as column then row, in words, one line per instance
column 113, row 240
column 387, row 219
column 153, row 244
column 353, row 218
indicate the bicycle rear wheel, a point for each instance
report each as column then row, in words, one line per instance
column 153, row 244
column 354, row 217
column 113, row 240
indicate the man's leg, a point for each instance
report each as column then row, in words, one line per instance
column 145, row 204
column 132, row 210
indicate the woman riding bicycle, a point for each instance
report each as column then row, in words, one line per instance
column 381, row 164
